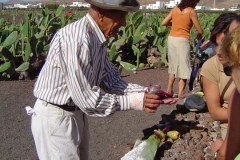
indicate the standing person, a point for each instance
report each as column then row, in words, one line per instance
column 182, row 17
column 217, row 87
column 231, row 51
column 78, row 79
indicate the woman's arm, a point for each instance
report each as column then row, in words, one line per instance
column 168, row 19
column 194, row 18
column 212, row 96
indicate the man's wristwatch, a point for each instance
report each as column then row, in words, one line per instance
column 215, row 154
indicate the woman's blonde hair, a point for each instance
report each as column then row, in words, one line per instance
column 231, row 47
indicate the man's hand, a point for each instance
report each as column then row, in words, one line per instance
column 151, row 102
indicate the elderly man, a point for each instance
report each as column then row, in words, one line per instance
column 78, row 80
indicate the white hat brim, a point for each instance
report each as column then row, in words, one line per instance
column 114, row 7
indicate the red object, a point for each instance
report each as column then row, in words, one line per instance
column 166, row 94
column 69, row 13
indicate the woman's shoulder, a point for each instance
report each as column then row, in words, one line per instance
column 175, row 8
column 191, row 10
column 185, row 10
column 211, row 64
column 211, row 70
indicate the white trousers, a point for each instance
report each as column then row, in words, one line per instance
column 59, row 134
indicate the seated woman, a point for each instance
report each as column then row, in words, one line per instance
column 231, row 51
column 217, row 87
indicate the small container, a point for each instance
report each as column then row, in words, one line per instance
column 154, row 89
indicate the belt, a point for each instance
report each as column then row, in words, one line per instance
column 66, row 107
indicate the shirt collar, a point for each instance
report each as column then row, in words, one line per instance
column 97, row 30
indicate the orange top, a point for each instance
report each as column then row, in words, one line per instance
column 181, row 23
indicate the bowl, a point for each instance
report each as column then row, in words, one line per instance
column 195, row 102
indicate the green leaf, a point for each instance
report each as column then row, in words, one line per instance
column 5, row 66
column 138, row 21
column 43, row 28
column 10, row 39
column 27, row 52
column 161, row 49
column 238, row 157
column 23, row 67
column 24, row 31
column 128, row 66
column 46, row 20
column 155, row 29
column 40, row 21
column 38, row 36
column 143, row 48
column 128, row 32
column 155, row 64
column 1, row 22
column 46, row 11
column 5, row 34
column 141, row 65
column 121, row 41
column 141, row 29
column 136, row 51
column 46, row 48
column 118, row 58
column 59, row 11
column 136, row 39
column 11, row 27
column 135, row 15
column 112, row 52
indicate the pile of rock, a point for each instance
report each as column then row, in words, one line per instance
column 198, row 132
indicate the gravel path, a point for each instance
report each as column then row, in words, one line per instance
column 108, row 136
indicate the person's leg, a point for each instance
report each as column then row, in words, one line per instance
column 59, row 134
column 39, row 127
column 184, row 68
column 181, row 86
column 84, row 145
column 171, row 79
column 172, row 63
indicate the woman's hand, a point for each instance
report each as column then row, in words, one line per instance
column 204, row 43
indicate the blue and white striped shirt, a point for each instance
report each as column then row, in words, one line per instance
column 78, row 67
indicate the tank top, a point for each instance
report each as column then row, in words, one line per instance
column 181, row 23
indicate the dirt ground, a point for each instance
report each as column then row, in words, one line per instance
column 108, row 136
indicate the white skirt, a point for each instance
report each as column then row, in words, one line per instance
column 179, row 57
